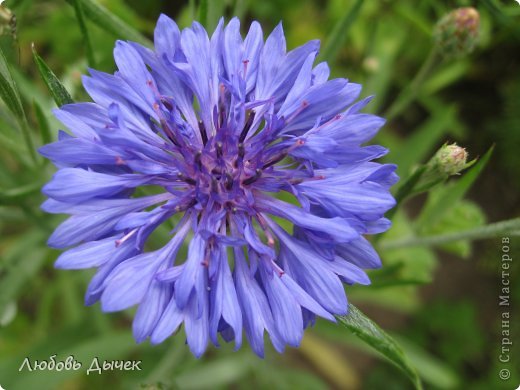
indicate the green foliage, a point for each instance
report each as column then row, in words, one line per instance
column 78, row 9
column 368, row 331
column 338, row 35
column 8, row 90
column 59, row 93
column 110, row 22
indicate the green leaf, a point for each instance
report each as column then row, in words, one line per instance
column 388, row 44
column 216, row 9
column 405, row 264
column 59, row 93
column 78, row 9
column 219, row 373
column 11, row 97
column 337, row 37
column 111, row 346
column 21, row 262
column 447, row 76
column 329, row 362
column 43, row 123
column 368, row 331
column 451, row 194
column 462, row 216
column 431, row 369
column 15, row 194
column 8, row 90
column 110, row 22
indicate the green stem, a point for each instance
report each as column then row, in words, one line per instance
column 239, row 8
column 192, row 9
column 80, row 16
column 162, row 370
column 406, row 189
column 511, row 227
column 339, row 33
column 409, row 94
column 203, row 12
column 28, row 140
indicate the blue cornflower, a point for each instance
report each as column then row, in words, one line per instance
column 219, row 127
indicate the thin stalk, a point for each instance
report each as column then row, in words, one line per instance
column 24, row 126
column 409, row 94
column 192, row 9
column 203, row 12
column 80, row 16
column 339, row 33
column 405, row 190
column 511, row 227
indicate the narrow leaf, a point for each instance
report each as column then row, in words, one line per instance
column 330, row 362
column 216, row 9
column 338, row 35
column 21, row 264
column 110, row 346
column 78, row 9
column 8, row 90
column 216, row 374
column 15, row 194
column 60, row 95
column 11, row 96
column 110, row 22
column 43, row 123
column 431, row 369
column 368, row 331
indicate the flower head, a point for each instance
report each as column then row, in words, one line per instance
column 218, row 127
column 457, row 33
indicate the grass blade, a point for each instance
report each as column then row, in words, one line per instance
column 59, row 93
column 203, row 13
column 8, row 90
column 11, row 97
column 78, row 9
column 338, row 35
column 110, row 22
column 43, row 123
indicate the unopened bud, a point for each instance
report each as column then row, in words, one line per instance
column 450, row 159
column 457, row 33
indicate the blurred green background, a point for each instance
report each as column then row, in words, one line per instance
column 440, row 303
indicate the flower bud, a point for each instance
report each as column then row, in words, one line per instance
column 450, row 159
column 457, row 33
